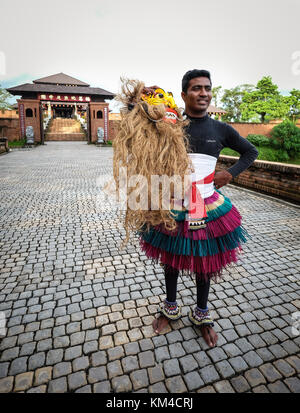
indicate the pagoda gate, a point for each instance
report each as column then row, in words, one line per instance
column 62, row 97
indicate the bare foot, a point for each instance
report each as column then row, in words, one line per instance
column 160, row 323
column 209, row 335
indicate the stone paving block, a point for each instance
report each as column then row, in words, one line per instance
column 242, row 330
column 90, row 347
column 38, row 389
column 293, row 383
column 158, row 388
column 238, row 364
column 105, row 342
column 260, row 389
column 121, row 384
column 176, row 385
column 120, row 338
column 231, row 350
column 206, row 389
column 216, row 354
column 72, row 352
column 269, row 371
column 130, row 363
column 254, row 377
column 156, row 374
column 278, row 387
column 4, row 369
column 10, row 354
column 103, row 387
column 278, row 351
column 80, row 363
column 161, row 354
column 191, row 346
column 176, row 350
column 265, row 354
column 171, row 367
column 6, row 384
column 240, row 384
column 77, row 380
column 294, row 361
column 188, row 363
column 193, row 381
column 202, row 358
column 42, row 376
column 99, row 358
column 230, row 335
column 97, row 374
column 209, row 374
column 114, row 369
column 131, row 348
column 224, row 386
column 146, row 359
column 19, row 365
column 62, row 369
column 37, row 360
column 23, row 381
column 139, row 379
column 27, row 349
column 244, row 345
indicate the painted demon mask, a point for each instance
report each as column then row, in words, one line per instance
column 158, row 97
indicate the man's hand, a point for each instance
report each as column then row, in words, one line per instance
column 222, row 178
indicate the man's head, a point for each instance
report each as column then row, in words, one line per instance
column 196, row 92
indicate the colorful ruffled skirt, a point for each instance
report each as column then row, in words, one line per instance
column 204, row 251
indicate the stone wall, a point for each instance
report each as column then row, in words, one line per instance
column 9, row 128
column 273, row 178
column 245, row 129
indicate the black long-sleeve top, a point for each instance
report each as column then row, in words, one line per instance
column 209, row 136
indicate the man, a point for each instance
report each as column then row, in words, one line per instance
column 207, row 137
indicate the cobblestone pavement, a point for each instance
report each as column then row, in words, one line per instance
column 79, row 309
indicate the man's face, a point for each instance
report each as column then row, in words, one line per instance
column 198, row 95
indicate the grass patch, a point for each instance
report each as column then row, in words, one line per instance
column 17, row 144
column 265, row 153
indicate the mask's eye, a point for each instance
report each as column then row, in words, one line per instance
column 160, row 95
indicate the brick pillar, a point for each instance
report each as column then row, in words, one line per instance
column 26, row 108
column 99, row 118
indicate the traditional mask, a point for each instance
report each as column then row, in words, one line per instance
column 166, row 98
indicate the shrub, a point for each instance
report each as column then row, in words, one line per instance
column 258, row 140
column 273, row 155
column 286, row 136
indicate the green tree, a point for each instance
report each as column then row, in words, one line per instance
column 264, row 103
column 216, row 92
column 294, row 102
column 4, row 96
column 232, row 100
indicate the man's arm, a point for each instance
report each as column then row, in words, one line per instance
column 248, row 155
column 241, row 145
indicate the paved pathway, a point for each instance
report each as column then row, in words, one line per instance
column 79, row 309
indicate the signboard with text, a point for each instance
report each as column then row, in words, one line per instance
column 106, row 123
column 64, row 98
column 22, row 119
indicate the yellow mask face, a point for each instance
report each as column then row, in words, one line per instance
column 160, row 97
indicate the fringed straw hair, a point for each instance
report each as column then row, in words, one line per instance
column 147, row 146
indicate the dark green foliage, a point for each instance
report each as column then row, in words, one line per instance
column 258, row 140
column 286, row 136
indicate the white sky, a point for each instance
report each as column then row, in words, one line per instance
column 156, row 41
